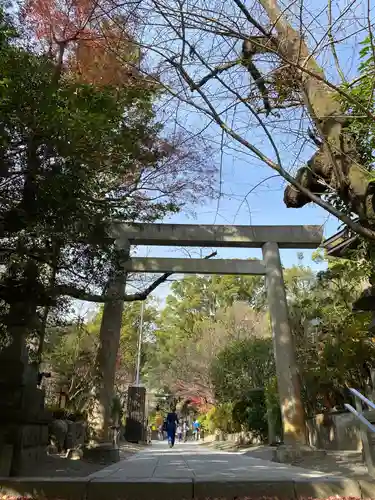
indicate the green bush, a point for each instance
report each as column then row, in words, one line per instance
column 65, row 414
column 220, row 418
column 202, row 419
column 208, row 420
column 246, row 415
column 241, row 366
column 251, row 414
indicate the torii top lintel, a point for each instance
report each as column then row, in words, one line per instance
column 198, row 235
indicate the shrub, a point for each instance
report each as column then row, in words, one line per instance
column 220, row 418
column 65, row 414
column 251, row 414
column 241, row 366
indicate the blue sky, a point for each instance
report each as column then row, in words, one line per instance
column 267, row 208
column 240, row 172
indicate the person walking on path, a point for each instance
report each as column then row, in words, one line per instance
column 149, row 434
column 196, row 429
column 201, row 432
column 185, row 429
column 179, row 433
column 172, row 422
column 159, row 424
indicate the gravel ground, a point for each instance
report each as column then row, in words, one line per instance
column 59, row 466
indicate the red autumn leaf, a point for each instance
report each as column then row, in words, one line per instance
column 98, row 48
column 57, row 21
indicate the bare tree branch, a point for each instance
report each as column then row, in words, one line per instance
column 332, row 43
column 81, row 294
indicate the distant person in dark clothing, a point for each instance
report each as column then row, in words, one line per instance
column 172, row 422
column 202, row 432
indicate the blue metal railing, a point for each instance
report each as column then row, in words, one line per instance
column 369, row 454
column 363, row 398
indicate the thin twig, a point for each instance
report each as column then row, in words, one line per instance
column 332, row 43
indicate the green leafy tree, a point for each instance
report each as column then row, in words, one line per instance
column 70, row 350
column 200, row 316
column 241, row 367
column 68, row 356
column 75, row 156
column 333, row 347
column 361, row 94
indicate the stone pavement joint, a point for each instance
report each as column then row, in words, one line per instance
column 190, row 472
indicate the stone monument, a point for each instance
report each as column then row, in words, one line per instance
column 135, row 415
column 23, row 418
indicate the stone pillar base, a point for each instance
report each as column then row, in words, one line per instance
column 294, row 454
column 102, row 453
column 23, row 426
column 26, row 460
column 6, row 457
column 28, row 442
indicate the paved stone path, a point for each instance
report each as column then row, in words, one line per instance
column 191, row 472
column 192, row 461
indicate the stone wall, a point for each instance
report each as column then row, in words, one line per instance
column 241, row 438
column 67, row 435
column 23, row 427
column 23, row 417
column 22, row 446
column 336, row 431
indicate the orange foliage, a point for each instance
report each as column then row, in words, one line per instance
column 108, row 59
column 58, row 21
column 96, row 50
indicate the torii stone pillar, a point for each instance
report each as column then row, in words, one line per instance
column 286, row 366
column 105, row 362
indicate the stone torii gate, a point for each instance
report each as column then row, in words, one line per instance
column 269, row 239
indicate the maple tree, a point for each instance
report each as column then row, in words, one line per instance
column 80, row 35
column 97, row 60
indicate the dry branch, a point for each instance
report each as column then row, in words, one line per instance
column 81, row 294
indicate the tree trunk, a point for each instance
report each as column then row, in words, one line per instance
column 336, row 162
column 105, row 363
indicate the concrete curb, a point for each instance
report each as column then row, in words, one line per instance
column 112, row 488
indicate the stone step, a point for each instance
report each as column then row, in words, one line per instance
column 107, row 488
